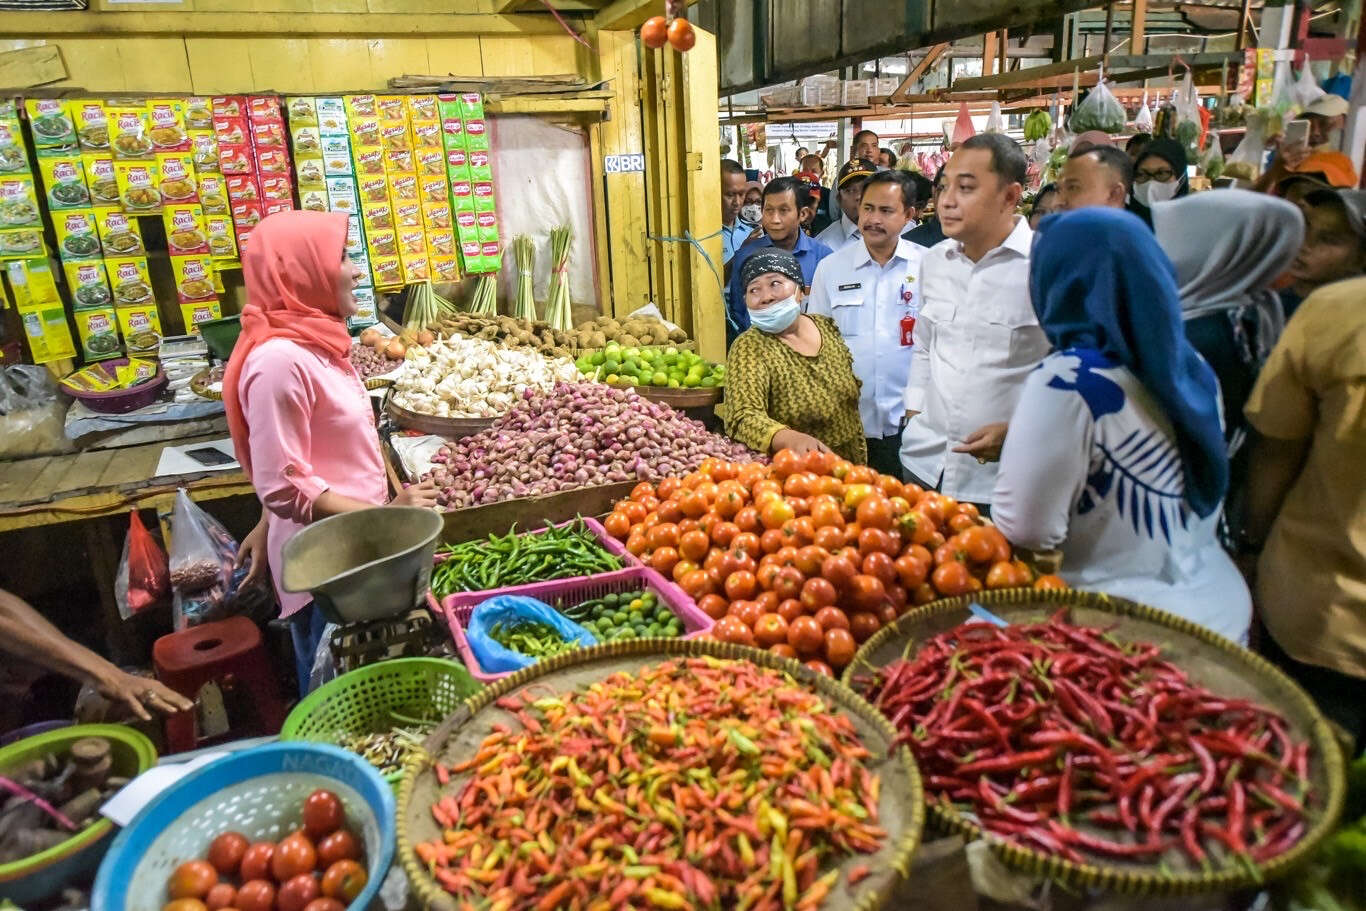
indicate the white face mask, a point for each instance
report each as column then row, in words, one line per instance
column 752, row 213
column 1154, row 191
column 777, row 317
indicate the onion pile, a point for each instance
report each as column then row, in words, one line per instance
column 370, row 361
column 575, row 435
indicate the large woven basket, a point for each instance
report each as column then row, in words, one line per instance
column 1216, row 662
column 901, row 811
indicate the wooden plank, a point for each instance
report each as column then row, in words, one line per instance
column 922, row 66
column 18, row 477
column 626, row 209
column 702, row 195
column 973, row 83
column 85, row 471
column 601, row 246
column 45, row 484
column 548, row 106
column 137, row 464
column 1138, row 27
column 89, row 22
column 988, row 53
column 282, row 65
column 341, row 63
column 529, row 56
column 153, row 64
column 217, row 65
column 32, row 66
column 396, row 56
column 453, row 55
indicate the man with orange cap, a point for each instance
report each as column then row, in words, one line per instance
column 1322, row 170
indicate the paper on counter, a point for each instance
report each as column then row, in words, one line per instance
column 415, row 453
column 174, row 461
column 139, row 792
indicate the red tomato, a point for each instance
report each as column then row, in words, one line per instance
column 697, row 584
column 959, row 522
column 184, row 904
column 767, row 573
column 737, row 561
column 1050, row 582
column 809, row 559
column 295, row 894
column 748, row 541
column 747, row 612
column 790, row 609
column 681, row 569
column 324, row 904
column 876, row 541
column 829, row 538
column 663, row 560
column 1000, row 546
column 978, row 543
column 226, row 852
column 805, row 635
column 642, row 490
column 295, row 854
column 776, row 512
column 783, row 650
column 838, row 571
column 340, row 845
column 728, row 503
column 770, row 630
column 713, row 605
column 768, row 601
column 663, row 535
column 827, row 514
column 820, row 667
column 880, row 567
column 256, row 862
column 863, row 625
column 839, row 647
column 952, row 579
column 875, row 512
column 898, row 597
column 693, row 545
column 771, row 541
column 221, row 896
column 800, row 484
column 804, row 530
column 729, row 629
column 788, row 582
column 723, row 533
column 192, row 879
column 923, row 593
column 617, row 525
column 866, row 592
column 832, row 618
column 1003, row 575
column 748, row 519
column 818, row 593
column 256, row 895
column 667, row 488
column 818, row 462
column 636, row 512
column 636, row 544
column 917, row 526
column 911, row 570
column 784, row 463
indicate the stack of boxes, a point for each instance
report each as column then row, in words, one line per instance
column 469, row 169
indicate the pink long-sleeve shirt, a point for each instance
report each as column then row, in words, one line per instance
column 311, row 429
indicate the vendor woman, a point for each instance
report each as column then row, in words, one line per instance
column 1115, row 452
column 300, row 418
column 790, row 380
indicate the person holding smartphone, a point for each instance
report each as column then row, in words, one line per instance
column 300, row 418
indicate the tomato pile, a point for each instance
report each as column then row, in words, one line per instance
column 316, row 868
column 811, row 555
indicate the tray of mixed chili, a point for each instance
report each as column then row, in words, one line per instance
column 1103, row 743
column 665, row 774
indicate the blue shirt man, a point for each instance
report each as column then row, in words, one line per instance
column 734, row 229
column 787, row 201
column 733, row 237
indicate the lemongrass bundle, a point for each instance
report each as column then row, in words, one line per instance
column 524, row 307
column 557, row 305
column 424, row 307
column 485, row 296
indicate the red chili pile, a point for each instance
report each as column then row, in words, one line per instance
column 696, row 783
column 1063, row 738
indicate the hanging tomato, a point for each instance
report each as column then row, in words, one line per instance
column 681, row 35
column 654, row 33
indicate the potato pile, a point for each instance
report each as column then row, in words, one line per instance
column 598, row 333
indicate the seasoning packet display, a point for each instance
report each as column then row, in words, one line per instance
column 306, row 140
column 408, row 215
column 382, row 242
column 138, row 182
column 412, row 242
column 467, row 228
column 336, row 156
column 388, row 271
column 378, row 215
column 264, row 109
column 311, row 173
column 53, row 131
column 193, row 278
column 100, row 179
column 458, row 164
column 416, row 268
column 21, row 243
column 131, row 280
column 88, row 283
column 140, row 325
column 341, row 195
column 484, row 199
column 436, row 215
column 462, row 196
column 222, row 242
column 198, row 113
column 119, row 234
column 369, row 160
column 166, row 125
column 229, row 106
column 19, row 203
column 91, row 123
column 98, row 330
column 176, row 177
column 488, row 226
column 32, row 282
column 185, row 230
column 427, row 135
column 481, row 168
column 90, row 379
column 313, row 199
column 46, row 331
column 137, row 370
column 445, row 268
column 398, row 160
column 242, row 188
column 440, row 242
column 213, row 194
column 361, row 106
column 13, row 155
column 403, row 187
column 476, row 135
column 302, row 111
column 196, row 312
column 430, row 162
column 276, row 188
column 269, row 135
column 77, row 235
column 204, row 151
column 64, row 182
column 422, row 107
column 366, row 312
column 127, row 123
column 272, row 161
column 331, row 114
column 391, row 107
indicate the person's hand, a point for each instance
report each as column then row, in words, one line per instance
column 253, row 548
column 1292, row 154
column 422, row 494
column 798, row 442
column 141, row 694
column 985, row 442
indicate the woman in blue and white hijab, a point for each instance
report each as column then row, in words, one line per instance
column 1115, row 453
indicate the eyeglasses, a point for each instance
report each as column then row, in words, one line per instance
column 1162, row 176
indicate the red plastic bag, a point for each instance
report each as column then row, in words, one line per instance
column 963, row 130
column 144, row 577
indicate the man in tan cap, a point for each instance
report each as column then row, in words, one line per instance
column 1327, row 116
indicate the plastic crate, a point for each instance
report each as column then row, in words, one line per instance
column 566, row 593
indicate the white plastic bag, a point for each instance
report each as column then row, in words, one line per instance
column 1306, row 90
column 995, row 122
column 201, row 563
column 1282, row 94
column 1188, row 121
column 32, row 414
column 1143, row 121
column 1245, row 163
column 1212, row 164
column 1099, row 110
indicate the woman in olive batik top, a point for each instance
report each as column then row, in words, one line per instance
column 790, row 380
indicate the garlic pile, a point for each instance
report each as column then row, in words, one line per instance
column 460, row 377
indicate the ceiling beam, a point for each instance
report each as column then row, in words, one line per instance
column 149, row 22
column 922, row 66
column 629, row 14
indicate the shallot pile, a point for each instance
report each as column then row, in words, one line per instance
column 461, row 377
column 576, row 435
column 371, row 362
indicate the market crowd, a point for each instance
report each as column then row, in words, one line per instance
column 1168, row 386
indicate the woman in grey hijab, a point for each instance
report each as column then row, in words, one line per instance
column 1228, row 247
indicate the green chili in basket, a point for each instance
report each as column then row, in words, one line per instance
column 517, row 559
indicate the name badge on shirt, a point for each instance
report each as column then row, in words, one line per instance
column 851, row 287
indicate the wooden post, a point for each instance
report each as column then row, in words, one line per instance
column 1002, row 63
column 1138, row 26
column 1241, row 41
column 1109, row 28
column 988, row 52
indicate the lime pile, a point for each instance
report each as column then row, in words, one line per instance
column 633, row 615
column 665, row 367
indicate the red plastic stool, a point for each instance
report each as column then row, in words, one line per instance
column 229, row 653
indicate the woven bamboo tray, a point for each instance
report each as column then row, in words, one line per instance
column 450, row 428
column 1211, row 660
column 199, row 385
column 698, row 397
column 901, row 810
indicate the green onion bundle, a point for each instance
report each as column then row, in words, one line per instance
column 557, row 309
column 485, row 296
column 425, row 307
column 524, row 307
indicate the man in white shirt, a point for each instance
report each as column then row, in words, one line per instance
column 870, row 288
column 848, row 196
column 976, row 336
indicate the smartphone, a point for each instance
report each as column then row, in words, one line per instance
column 207, row 455
column 1297, row 132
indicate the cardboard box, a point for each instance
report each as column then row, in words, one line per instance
column 186, row 233
column 77, row 236
column 98, row 330
column 138, row 183
column 64, row 182
column 119, row 233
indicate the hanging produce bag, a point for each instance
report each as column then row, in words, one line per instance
column 202, row 556
column 1190, row 126
column 510, row 617
column 963, row 130
column 1212, row 164
column 1246, row 161
column 1099, row 110
column 1305, row 90
column 995, row 122
column 1143, row 121
column 143, row 577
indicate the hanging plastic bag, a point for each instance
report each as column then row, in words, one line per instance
column 1040, row 152
column 143, row 578
column 1143, row 120
column 1189, row 124
column 1306, row 90
column 1212, row 164
column 1245, row 163
column 963, row 130
column 1100, row 110
column 1282, row 93
column 505, row 611
column 202, row 550
column 995, row 122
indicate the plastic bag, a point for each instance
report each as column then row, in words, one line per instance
column 1306, row 89
column 1099, row 110
column 1245, row 163
column 494, row 657
column 202, row 556
column 963, row 130
column 1282, row 94
column 1212, row 164
column 1189, row 124
column 32, row 414
column 143, row 578
column 1143, row 120
column 995, row 122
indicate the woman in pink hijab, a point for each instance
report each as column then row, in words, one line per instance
column 300, row 418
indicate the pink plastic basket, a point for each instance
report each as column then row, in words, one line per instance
column 566, row 593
